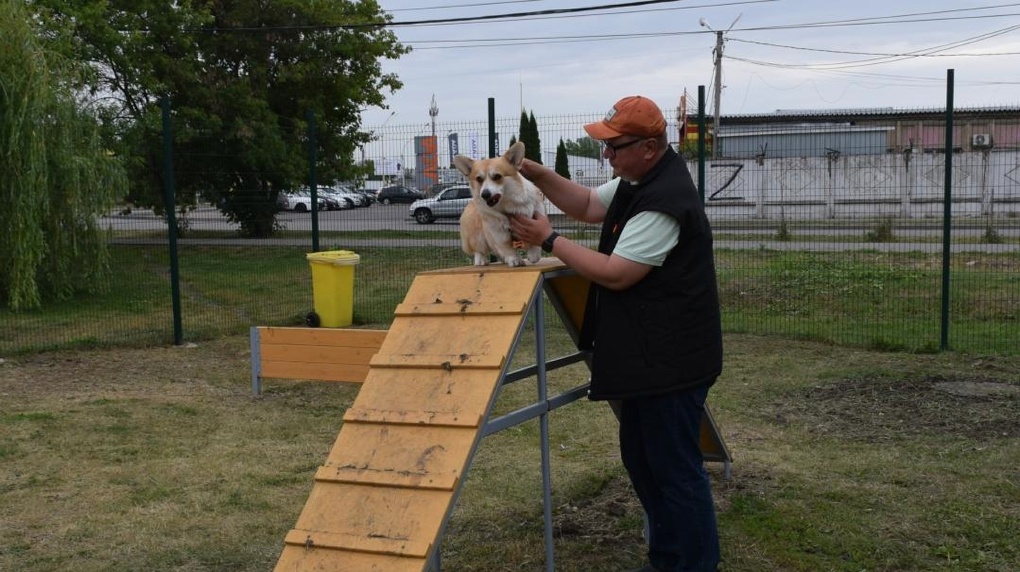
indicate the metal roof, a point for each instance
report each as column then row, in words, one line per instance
column 873, row 113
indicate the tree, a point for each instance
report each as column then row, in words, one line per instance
column 584, row 147
column 534, row 151
column 243, row 79
column 523, row 130
column 562, row 166
column 56, row 178
column 529, row 136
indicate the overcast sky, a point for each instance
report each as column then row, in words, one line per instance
column 779, row 54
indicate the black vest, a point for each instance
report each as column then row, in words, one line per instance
column 663, row 334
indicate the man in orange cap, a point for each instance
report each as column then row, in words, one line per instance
column 652, row 320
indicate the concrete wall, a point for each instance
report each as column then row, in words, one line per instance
column 863, row 186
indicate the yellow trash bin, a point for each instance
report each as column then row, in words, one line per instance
column 333, row 286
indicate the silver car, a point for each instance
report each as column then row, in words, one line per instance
column 449, row 203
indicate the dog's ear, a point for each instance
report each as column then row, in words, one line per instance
column 463, row 164
column 515, row 154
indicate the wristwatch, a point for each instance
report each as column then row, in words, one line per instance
column 547, row 244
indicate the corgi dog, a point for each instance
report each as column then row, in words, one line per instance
column 497, row 190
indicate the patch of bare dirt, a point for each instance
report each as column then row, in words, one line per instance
column 876, row 408
column 610, row 516
column 597, row 519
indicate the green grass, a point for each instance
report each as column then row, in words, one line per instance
column 845, row 459
column 889, row 301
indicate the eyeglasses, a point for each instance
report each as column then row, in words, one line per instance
column 614, row 149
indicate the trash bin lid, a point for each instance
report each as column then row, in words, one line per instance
column 334, row 257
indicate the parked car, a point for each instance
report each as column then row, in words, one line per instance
column 355, row 199
column 449, row 203
column 368, row 194
column 333, row 202
column 397, row 194
column 299, row 201
column 341, row 200
column 440, row 187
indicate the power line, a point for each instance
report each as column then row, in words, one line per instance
column 503, row 42
column 452, row 6
column 889, row 58
column 619, row 12
column 852, row 53
column 870, row 22
column 583, row 12
column 878, row 20
column 465, row 19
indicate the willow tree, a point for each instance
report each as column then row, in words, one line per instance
column 55, row 177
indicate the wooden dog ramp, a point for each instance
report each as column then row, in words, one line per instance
column 381, row 501
column 388, row 485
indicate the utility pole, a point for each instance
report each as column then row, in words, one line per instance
column 718, row 93
column 718, row 80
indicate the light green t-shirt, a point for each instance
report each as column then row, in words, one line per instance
column 648, row 237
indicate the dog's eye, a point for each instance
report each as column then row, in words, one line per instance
column 480, row 179
column 497, row 177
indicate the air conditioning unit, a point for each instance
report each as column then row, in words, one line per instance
column 981, row 140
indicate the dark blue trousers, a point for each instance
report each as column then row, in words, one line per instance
column 659, row 444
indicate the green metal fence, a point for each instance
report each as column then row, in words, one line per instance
column 826, row 228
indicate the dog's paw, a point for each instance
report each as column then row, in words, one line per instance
column 534, row 255
column 481, row 259
column 514, row 261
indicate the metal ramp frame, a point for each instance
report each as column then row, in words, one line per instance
column 390, row 483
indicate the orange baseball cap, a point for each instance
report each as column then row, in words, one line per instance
column 634, row 115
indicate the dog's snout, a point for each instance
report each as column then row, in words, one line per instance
column 486, row 194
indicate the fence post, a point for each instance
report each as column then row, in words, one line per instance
column 171, row 222
column 947, row 212
column 701, row 142
column 492, row 127
column 312, row 182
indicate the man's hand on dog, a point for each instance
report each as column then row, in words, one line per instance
column 530, row 230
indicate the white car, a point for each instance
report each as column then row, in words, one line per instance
column 336, row 198
column 449, row 203
column 298, row 201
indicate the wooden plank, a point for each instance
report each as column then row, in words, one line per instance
column 452, row 336
column 349, row 373
column 437, row 418
column 711, row 443
column 317, row 354
column 322, row 336
column 426, row 456
column 547, row 264
column 357, row 476
column 460, row 308
column 390, row 520
column 478, row 287
column 572, row 292
column 462, row 392
column 447, row 362
column 302, row 559
column 358, row 543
